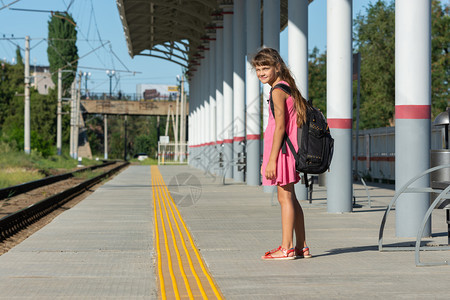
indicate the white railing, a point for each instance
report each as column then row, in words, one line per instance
column 172, row 153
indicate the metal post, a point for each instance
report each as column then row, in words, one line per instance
column 58, row 115
column 412, row 111
column 298, row 59
column 27, row 145
column 238, row 87
column 253, row 130
column 340, row 104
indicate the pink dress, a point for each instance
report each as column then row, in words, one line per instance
column 285, row 162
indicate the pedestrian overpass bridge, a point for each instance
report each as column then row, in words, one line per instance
column 136, row 108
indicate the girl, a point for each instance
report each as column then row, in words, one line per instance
column 278, row 168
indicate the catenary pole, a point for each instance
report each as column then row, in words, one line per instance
column 27, row 144
column 59, row 115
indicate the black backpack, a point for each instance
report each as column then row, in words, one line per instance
column 315, row 144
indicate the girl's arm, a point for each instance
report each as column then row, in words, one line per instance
column 279, row 99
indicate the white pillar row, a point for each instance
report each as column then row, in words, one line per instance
column 238, row 86
column 219, row 85
column 228, row 88
column 212, row 101
column 412, row 111
column 339, row 104
column 298, row 58
column 253, row 130
column 271, row 39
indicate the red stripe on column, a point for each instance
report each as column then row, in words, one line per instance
column 253, row 136
column 340, row 123
column 238, row 139
column 228, row 141
column 413, row 111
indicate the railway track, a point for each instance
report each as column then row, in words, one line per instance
column 16, row 221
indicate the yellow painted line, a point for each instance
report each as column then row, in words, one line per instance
column 180, row 263
column 166, row 244
column 203, row 280
column 191, row 265
column 158, row 248
column 188, row 234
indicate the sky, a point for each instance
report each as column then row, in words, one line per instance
column 98, row 23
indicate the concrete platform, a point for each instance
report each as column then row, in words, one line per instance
column 235, row 224
column 103, row 247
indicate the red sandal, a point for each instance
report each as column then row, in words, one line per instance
column 285, row 252
column 303, row 253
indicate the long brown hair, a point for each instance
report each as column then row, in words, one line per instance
column 271, row 57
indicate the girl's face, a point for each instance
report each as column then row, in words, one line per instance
column 266, row 74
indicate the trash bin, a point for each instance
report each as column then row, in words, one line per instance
column 441, row 156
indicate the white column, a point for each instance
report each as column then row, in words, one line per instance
column 298, row 58
column 271, row 39
column 228, row 87
column 219, row 84
column 207, row 121
column 252, row 94
column 339, row 103
column 412, row 111
column 212, row 99
column 238, row 85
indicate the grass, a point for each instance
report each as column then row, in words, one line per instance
column 17, row 167
column 13, row 176
column 88, row 174
column 145, row 162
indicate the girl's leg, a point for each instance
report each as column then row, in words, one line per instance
column 299, row 225
column 285, row 196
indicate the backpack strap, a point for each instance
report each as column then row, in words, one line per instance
column 285, row 88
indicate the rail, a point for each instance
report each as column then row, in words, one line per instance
column 28, row 186
column 15, row 222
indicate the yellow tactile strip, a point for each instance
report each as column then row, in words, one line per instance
column 180, row 268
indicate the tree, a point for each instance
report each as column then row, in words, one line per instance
column 440, row 44
column 374, row 39
column 317, row 73
column 62, row 50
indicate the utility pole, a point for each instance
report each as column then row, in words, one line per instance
column 77, row 117
column 27, row 147
column 183, row 121
column 175, row 131
column 58, row 115
column 105, row 126
column 72, row 119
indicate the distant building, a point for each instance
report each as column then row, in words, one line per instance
column 41, row 79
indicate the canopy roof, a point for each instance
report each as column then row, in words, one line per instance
column 175, row 30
